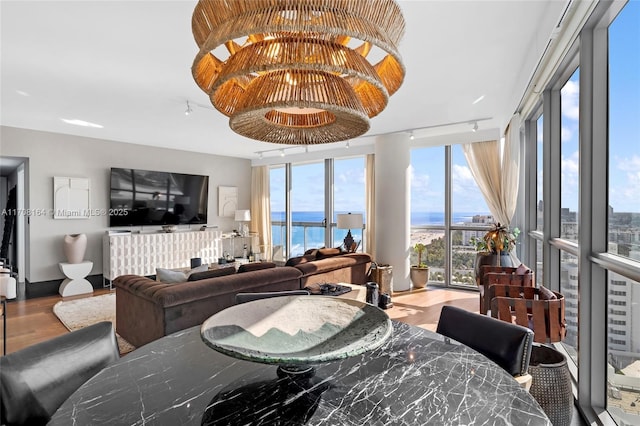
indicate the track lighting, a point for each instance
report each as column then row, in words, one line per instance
column 282, row 153
column 411, row 136
column 188, row 111
column 347, row 145
column 475, row 127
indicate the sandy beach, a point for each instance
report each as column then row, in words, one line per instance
column 425, row 237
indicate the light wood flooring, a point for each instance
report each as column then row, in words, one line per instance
column 32, row 321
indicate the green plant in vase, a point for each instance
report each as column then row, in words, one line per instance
column 419, row 273
column 494, row 247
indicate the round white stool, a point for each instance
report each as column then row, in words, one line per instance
column 75, row 282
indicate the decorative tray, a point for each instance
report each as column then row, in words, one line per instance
column 297, row 330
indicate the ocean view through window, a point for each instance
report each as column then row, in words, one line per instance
column 449, row 253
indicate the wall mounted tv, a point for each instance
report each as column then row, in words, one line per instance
column 144, row 197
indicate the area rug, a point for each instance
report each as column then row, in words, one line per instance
column 79, row 313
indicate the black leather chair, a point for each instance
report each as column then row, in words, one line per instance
column 508, row 345
column 248, row 297
column 36, row 380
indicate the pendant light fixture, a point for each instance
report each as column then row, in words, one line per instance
column 298, row 71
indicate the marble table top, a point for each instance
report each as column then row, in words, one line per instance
column 416, row 378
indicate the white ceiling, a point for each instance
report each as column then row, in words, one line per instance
column 126, row 66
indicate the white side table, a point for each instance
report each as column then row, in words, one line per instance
column 75, row 282
column 7, row 284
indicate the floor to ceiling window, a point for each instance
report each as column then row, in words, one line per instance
column 590, row 224
column 569, row 96
column 569, row 202
column 348, row 195
column 539, row 137
column 428, row 177
column 623, row 221
column 278, row 199
column 445, row 218
column 315, row 192
column 307, row 207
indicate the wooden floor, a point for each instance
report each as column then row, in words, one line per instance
column 32, row 321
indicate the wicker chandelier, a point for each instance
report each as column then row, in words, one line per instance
column 296, row 71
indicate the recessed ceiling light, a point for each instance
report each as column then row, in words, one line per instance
column 478, row 100
column 82, row 123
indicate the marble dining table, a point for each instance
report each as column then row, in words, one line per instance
column 417, row 377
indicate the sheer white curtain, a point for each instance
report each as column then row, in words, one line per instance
column 511, row 166
column 261, row 209
column 497, row 175
column 370, row 190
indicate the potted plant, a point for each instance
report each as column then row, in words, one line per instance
column 494, row 247
column 419, row 273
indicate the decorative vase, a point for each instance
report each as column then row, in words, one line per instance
column 74, row 247
column 551, row 384
column 419, row 276
column 490, row 259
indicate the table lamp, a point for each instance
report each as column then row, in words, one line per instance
column 243, row 216
column 349, row 221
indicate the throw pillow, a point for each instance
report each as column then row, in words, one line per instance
column 522, row 270
column 169, row 276
column 311, row 252
column 247, row 267
column 546, row 294
column 293, row 261
column 213, row 273
column 328, row 252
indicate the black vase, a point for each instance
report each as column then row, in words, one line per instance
column 490, row 259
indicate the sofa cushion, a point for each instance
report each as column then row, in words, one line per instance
column 169, row 276
column 212, row 273
column 300, row 259
column 255, row 266
column 323, row 253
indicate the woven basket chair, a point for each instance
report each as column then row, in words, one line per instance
column 502, row 275
column 530, row 307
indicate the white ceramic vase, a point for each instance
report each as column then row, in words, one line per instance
column 74, row 247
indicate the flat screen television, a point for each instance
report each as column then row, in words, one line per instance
column 144, row 197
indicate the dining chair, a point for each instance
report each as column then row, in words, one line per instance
column 36, row 380
column 503, row 275
column 248, row 297
column 508, row 345
column 537, row 308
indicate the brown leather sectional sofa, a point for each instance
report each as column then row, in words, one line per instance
column 147, row 310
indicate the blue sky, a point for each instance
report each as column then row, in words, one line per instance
column 624, row 113
column 624, row 118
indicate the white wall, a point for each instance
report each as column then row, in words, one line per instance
column 393, row 206
column 52, row 154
